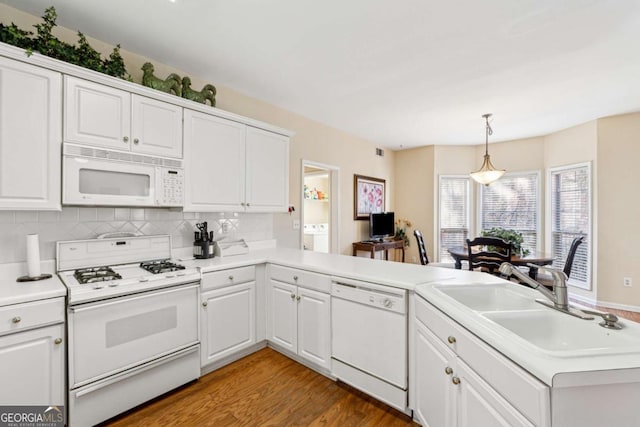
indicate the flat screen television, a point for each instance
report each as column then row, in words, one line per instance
column 381, row 225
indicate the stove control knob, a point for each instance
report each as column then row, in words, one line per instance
column 143, row 279
column 181, row 273
column 113, row 284
column 170, row 275
column 98, row 286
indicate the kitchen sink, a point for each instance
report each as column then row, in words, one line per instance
column 489, row 297
column 565, row 335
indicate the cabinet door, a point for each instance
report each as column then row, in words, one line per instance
column 156, row 127
column 267, row 171
column 314, row 327
column 214, row 163
column 30, row 136
column 228, row 321
column 479, row 405
column 434, row 369
column 281, row 315
column 32, row 367
column 96, row 114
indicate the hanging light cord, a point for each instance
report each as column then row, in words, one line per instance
column 489, row 132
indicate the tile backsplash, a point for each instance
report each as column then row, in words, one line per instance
column 87, row 223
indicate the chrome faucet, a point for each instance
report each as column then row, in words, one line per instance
column 559, row 297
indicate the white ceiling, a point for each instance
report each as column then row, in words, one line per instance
column 400, row 73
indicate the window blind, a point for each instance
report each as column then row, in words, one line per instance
column 512, row 203
column 454, row 214
column 570, row 216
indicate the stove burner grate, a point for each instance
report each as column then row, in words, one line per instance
column 95, row 274
column 161, row 266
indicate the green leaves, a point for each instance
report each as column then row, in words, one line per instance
column 47, row 44
column 512, row 236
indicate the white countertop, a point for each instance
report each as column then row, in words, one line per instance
column 553, row 369
column 12, row 292
column 399, row 275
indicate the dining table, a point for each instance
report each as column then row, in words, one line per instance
column 460, row 253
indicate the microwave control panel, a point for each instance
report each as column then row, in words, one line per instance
column 171, row 186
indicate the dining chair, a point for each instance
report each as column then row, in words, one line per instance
column 487, row 253
column 568, row 264
column 422, row 250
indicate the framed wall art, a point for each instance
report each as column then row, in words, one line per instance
column 369, row 196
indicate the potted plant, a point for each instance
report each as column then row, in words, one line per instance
column 512, row 236
column 401, row 230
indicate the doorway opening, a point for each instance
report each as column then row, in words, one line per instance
column 320, row 201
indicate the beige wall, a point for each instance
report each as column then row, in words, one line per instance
column 312, row 140
column 414, row 195
column 618, row 208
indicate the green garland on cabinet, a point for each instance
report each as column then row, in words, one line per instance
column 47, row 44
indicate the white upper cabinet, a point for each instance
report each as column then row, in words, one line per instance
column 214, row 163
column 267, row 171
column 230, row 166
column 100, row 115
column 30, row 136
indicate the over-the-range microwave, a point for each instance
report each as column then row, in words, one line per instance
column 100, row 177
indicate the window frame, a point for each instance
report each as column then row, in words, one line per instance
column 588, row 285
column 470, row 195
column 538, row 198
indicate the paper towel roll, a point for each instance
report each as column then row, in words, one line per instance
column 33, row 255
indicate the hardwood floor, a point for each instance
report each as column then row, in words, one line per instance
column 264, row 389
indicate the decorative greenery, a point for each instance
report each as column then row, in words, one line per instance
column 401, row 231
column 47, row 44
column 508, row 235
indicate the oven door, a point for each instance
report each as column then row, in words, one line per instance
column 90, row 181
column 110, row 336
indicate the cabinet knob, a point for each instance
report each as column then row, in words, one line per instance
column 231, row 278
column 16, row 319
column 455, row 380
column 448, row 370
column 295, row 278
column 293, row 296
column 248, row 204
column 136, row 141
column 298, row 297
column 125, row 138
column 57, row 341
column 204, row 303
column 451, row 339
column 242, row 203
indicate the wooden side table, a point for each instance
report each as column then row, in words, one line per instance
column 373, row 247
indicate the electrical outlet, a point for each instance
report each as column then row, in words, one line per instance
column 225, row 227
column 296, row 224
column 627, row 282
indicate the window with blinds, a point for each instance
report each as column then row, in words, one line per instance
column 571, row 218
column 454, row 213
column 512, row 202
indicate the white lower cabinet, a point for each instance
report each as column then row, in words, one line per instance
column 32, row 357
column 457, row 380
column 228, row 320
column 299, row 318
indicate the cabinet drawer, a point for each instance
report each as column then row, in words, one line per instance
column 232, row 276
column 307, row 279
column 18, row 317
column 522, row 390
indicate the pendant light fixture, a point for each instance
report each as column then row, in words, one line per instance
column 487, row 173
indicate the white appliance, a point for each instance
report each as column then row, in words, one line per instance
column 369, row 342
column 132, row 325
column 95, row 176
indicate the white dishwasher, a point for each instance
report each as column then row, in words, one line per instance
column 369, row 341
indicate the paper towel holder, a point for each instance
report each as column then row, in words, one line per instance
column 33, row 278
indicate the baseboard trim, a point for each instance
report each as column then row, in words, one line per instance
column 301, row 360
column 232, row 358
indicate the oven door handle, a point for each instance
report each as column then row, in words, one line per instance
column 123, row 376
column 146, row 294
